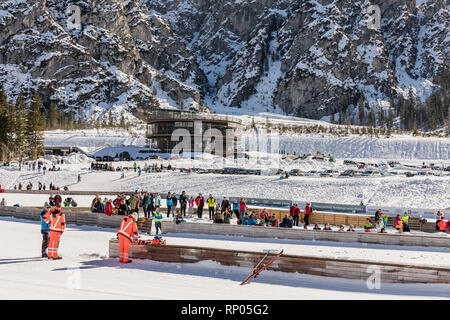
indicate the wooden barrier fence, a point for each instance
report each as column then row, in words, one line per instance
column 335, row 219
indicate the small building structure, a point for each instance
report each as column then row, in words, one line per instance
column 173, row 131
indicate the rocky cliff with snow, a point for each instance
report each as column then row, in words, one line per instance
column 307, row 58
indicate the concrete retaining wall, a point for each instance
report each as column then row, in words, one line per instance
column 362, row 270
column 300, row 234
column 81, row 218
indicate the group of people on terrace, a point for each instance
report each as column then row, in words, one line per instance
column 225, row 210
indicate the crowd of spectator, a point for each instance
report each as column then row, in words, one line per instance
column 182, row 205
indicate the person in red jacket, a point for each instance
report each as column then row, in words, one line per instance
column 442, row 225
column 58, row 199
column 127, row 232
column 57, row 225
column 200, row 203
column 117, row 202
column 108, row 207
column 308, row 212
column 242, row 207
column 264, row 215
column 273, row 222
column 296, row 214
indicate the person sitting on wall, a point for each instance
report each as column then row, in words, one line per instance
column 316, row 227
column 327, row 227
column 273, row 221
column 442, row 225
column 368, row 226
column 227, row 217
column 243, row 220
column 251, row 220
column 398, row 224
column 351, row 228
column 405, row 220
column 179, row 217
column 287, row 222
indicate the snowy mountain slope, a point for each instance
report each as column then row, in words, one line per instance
column 305, row 58
column 328, row 53
column 99, row 65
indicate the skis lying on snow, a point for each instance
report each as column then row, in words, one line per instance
column 261, row 266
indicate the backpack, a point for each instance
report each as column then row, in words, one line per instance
column 157, row 240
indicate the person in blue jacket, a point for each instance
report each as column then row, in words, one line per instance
column 251, row 220
column 169, row 204
column 45, row 229
column 236, row 209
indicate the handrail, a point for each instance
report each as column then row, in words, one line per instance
column 187, row 115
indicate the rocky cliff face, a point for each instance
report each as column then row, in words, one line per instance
column 307, row 58
column 119, row 58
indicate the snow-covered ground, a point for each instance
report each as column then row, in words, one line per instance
column 92, row 140
column 86, row 271
column 397, row 147
column 429, row 192
column 416, row 192
column 432, row 192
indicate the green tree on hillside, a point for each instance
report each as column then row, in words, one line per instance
column 35, row 126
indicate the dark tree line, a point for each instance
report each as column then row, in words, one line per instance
column 406, row 113
column 22, row 127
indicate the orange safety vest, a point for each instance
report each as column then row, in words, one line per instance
column 128, row 228
column 57, row 220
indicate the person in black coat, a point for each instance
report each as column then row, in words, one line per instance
column 151, row 206
column 183, row 203
column 287, row 222
column 174, row 201
column 122, row 208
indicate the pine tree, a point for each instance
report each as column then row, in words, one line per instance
column 372, row 118
column 409, row 110
column 52, row 120
column 4, row 126
column 20, row 129
column 390, row 121
column 122, row 121
column 381, row 116
column 62, row 121
column 35, row 126
column 362, row 114
column 110, row 119
column 70, row 119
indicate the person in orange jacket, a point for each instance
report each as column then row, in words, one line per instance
column 128, row 232
column 398, row 224
column 57, row 226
